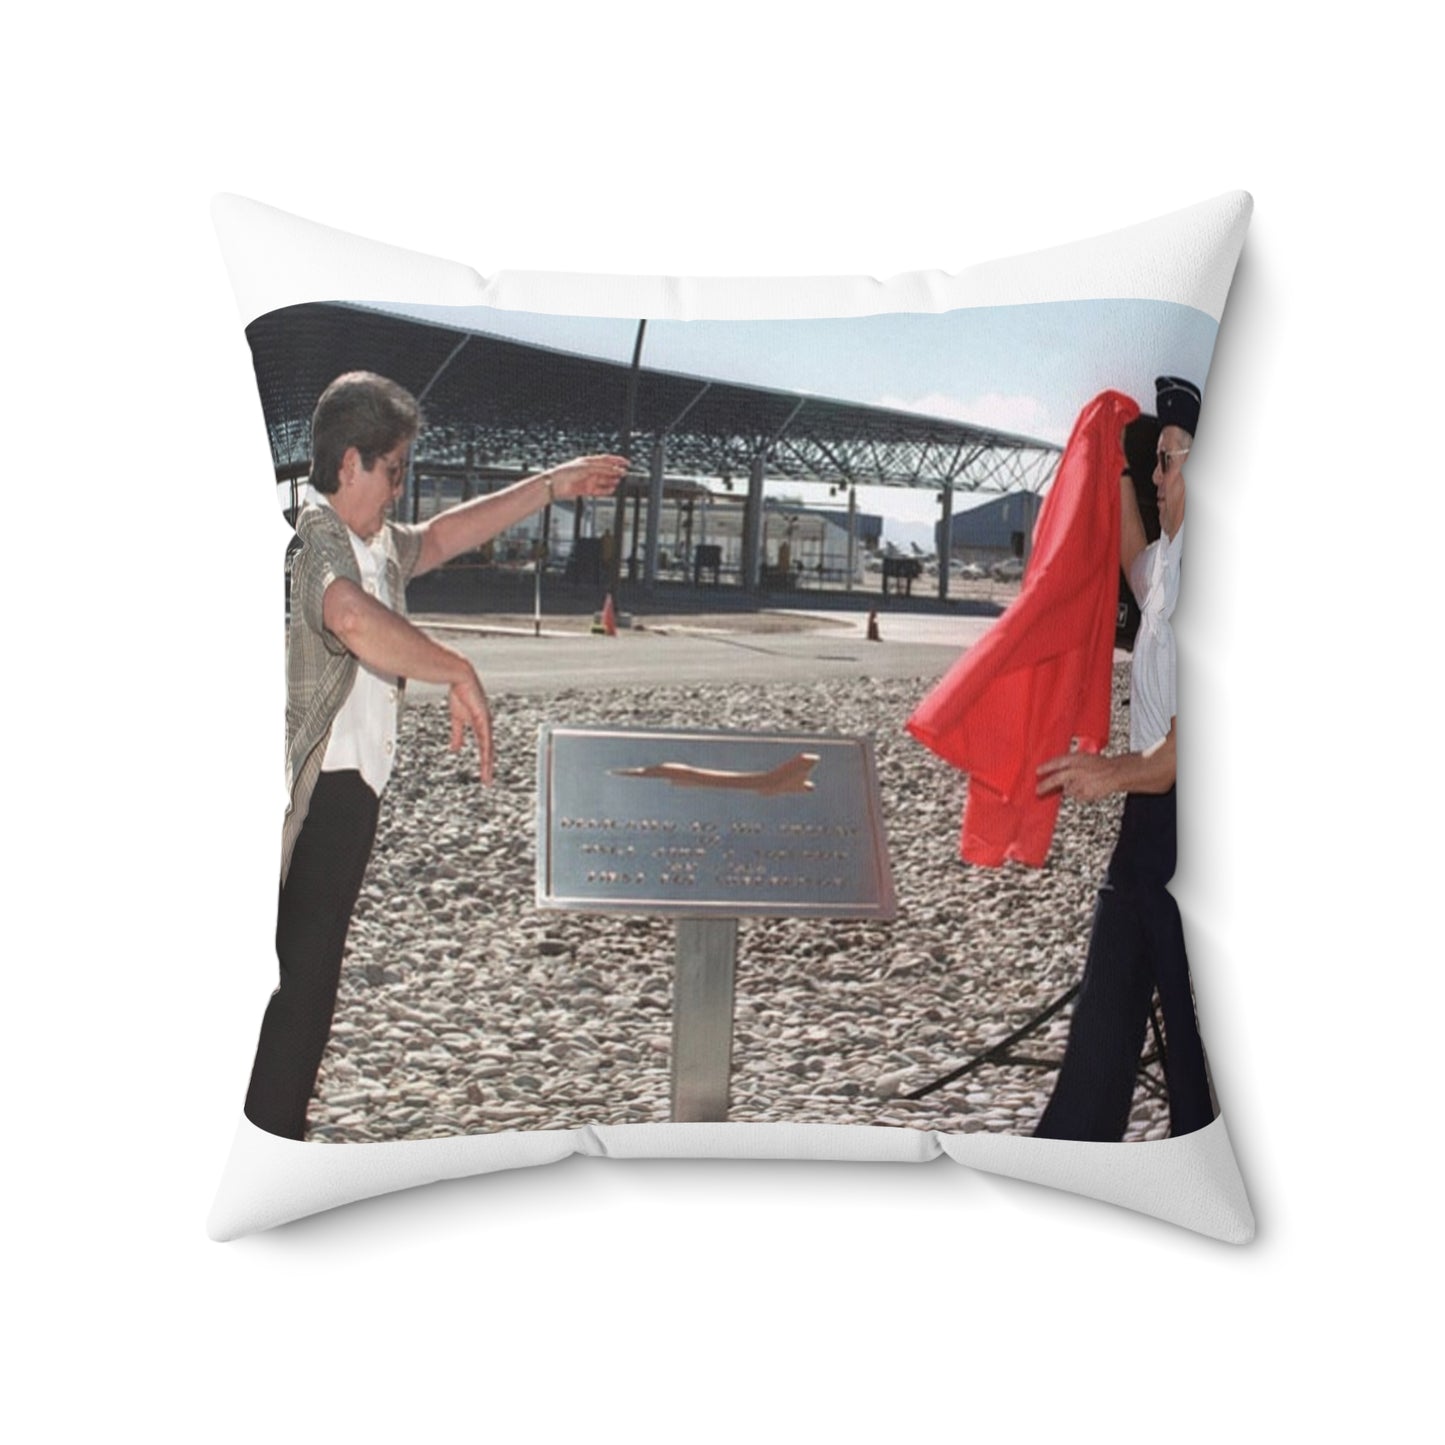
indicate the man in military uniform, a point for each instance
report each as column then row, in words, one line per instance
column 1136, row 944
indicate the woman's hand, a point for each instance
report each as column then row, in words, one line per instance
column 470, row 713
column 587, row 477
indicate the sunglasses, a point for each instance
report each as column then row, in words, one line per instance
column 1164, row 459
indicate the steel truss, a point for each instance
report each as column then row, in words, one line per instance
column 495, row 405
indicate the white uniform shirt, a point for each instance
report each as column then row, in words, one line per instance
column 1154, row 578
column 363, row 736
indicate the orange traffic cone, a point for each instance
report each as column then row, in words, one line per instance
column 609, row 617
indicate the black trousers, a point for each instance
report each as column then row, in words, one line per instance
column 320, row 891
column 1136, row 946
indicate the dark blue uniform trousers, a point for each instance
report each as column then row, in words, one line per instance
column 1136, row 946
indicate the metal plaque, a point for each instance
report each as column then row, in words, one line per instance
column 713, row 824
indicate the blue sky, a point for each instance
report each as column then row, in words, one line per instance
column 1026, row 369
column 1022, row 368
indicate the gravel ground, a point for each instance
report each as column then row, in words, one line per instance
column 464, row 1008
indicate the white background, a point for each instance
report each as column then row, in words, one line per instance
column 713, row 1300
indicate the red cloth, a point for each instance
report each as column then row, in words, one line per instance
column 1040, row 677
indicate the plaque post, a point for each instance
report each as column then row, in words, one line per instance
column 702, row 1019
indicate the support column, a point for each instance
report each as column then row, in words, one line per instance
column 752, row 560
column 852, row 536
column 636, row 528
column 944, row 546
column 539, row 566
column 654, row 513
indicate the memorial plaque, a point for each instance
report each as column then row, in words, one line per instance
column 710, row 824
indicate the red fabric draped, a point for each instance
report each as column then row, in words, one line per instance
column 1040, row 677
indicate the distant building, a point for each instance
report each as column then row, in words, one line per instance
column 815, row 539
column 868, row 526
column 802, row 546
column 993, row 530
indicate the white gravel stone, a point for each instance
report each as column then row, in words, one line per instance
column 462, row 1007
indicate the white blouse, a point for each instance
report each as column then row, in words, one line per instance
column 1154, row 578
column 363, row 735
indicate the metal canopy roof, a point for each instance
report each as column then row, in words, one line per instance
column 491, row 402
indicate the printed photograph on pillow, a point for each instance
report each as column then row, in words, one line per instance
column 737, row 721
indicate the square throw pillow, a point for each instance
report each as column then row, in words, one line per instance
column 731, row 718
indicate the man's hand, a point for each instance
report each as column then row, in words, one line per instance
column 1088, row 776
column 587, row 477
column 468, row 705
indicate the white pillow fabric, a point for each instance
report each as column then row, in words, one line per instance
column 1185, row 260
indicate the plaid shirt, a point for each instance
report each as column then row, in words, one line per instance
column 319, row 669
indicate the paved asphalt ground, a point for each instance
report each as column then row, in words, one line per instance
column 704, row 649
